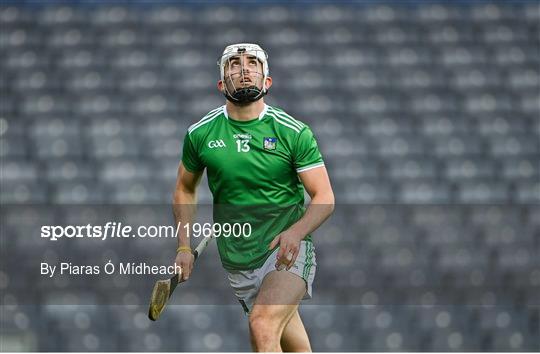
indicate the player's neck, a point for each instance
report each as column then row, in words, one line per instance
column 245, row 113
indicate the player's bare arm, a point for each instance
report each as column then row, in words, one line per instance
column 317, row 184
column 184, row 209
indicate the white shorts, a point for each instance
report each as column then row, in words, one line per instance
column 246, row 283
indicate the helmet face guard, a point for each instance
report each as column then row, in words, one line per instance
column 244, row 69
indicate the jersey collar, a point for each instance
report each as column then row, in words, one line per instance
column 261, row 116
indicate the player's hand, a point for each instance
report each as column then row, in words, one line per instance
column 289, row 246
column 184, row 260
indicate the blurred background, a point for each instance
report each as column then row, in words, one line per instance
column 427, row 114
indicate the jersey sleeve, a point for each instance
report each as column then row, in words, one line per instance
column 190, row 156
column 306, row 152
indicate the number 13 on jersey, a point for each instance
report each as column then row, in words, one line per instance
column 242, row 145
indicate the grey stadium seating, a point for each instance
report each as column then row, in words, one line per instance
column 427, row 114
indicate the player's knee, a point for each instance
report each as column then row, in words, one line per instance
column 262, row 326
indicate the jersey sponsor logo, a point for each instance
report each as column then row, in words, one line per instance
column 242, row 136
column 216, row 144
column 269, row 143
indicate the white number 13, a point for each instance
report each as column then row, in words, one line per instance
column 242, row 145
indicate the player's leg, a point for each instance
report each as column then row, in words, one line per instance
column 294, row 337
column 275, row 305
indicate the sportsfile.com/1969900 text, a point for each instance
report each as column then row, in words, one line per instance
column 118, row 230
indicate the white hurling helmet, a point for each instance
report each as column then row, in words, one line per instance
column 250, row 91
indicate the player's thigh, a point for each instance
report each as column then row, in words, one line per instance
column 281, row 288
column 278, row 298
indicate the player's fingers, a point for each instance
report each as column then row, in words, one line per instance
column 283, row 250
column 183, row 274
column 186, row 270
column 287, row 256
column 293, row 258
column 178, row 269
column 180, row 275
column 274, row 242
column 285, row 261
column 281, row 263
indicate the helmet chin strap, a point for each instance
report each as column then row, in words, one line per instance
column 244, row 96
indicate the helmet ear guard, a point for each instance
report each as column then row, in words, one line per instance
column 252, row 93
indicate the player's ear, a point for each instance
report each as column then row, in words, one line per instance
column 220, row 86
column 268, row 82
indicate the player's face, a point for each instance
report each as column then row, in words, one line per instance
column 243, row 71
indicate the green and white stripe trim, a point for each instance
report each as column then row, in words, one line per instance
column 310, row 167
column 284, row 115
column 210, row 116
column 285, row 119
column 308, row 262
column 288, row 125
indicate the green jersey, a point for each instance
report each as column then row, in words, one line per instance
column 252, row 169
